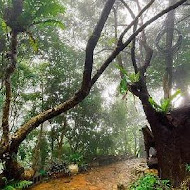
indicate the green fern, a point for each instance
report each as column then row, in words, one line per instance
column 123, row 87
column 165, row 104
column 50, row 22
column 9, row 187
column 13, row 185
column 128, row 79
column 42, row 11
column 35, row 12
column 187, row 167
column 150, row 181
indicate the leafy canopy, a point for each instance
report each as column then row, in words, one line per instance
column 34, row 12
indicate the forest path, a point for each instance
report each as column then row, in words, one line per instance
column 100, row 178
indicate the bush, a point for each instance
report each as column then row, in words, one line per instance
column 78, row 158
column 150, row 182
column 13, row 185
column 57, row 166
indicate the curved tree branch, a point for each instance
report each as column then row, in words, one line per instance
column 92, row 42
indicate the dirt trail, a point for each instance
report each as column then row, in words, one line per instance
column 100, row 178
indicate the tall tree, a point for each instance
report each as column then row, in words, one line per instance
column 169, row 53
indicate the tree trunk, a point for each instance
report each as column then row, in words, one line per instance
column 171, row 135
column 60, row 143
column 36, row 162
column 171, row 161
column 168, row 77
column 13, row 170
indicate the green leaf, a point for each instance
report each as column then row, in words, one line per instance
column 123, row 86
column 9, row 187
column 150, row 181
column 165, row 104
column 22, row 184
column 50, row 22
column 4, row 27
column 33, row 43
column 121, row 69
column 154, row 104
column 178, row 91
column 134, row 77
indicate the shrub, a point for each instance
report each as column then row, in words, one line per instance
column 150, row 182
column 13, row 185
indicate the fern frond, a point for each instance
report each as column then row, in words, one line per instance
column 49, row 22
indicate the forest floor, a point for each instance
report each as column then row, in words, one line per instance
column 99, row 178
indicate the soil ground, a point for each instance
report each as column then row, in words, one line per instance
column 99, row 178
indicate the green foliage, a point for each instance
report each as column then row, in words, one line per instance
column 13, row 185
column 51, row 22
column 43, row 172
column 43, row 13
column 165, row 104
column 76, row 158
column 150, row 182
column 123, row 87
column 39, row 12
column 9, row 187
column 3, row 26
column 33, row 43
column 128, row 79
column 188, row 167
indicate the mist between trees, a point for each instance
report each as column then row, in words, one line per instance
column 82, row 78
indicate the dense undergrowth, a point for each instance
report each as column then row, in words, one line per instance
column 153, row 182
column 14, row 185
column 150, row 182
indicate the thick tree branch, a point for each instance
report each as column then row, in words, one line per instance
column 92, row 42
column 129, row 9
column 8, row 91
column 119, row 58
column 6, row 111
column 133, row 55
column 148, row 49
